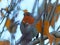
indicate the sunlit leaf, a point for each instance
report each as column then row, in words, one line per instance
column 6, row 8
column 57, row 40
column 4, row 43
column 49, row 8
column 46, row 27
column 39, row 26
column 8, row 22
column 54, row 19
column 57, row 11
column 51, row 38
column 52, row 22
column 46, row 30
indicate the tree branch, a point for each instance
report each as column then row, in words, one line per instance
column 56, row 34
column 58, row 28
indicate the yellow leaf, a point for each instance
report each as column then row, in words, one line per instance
column 49, row 8
column 4, row 43
column 8, row 22
column 39, row 26
column 53, row 21
column 46, row 27
column 57, row 40
column 6, row 8
column 57, row 10
column 51, row 38
column 46, row 30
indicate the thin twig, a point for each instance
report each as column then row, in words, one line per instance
column 58, row 28
column 52, row 12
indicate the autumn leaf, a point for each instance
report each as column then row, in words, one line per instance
column 2, row 14
column 6, row 8
column 46, row 30
column 39, row 26
column 46, row 27
column 57, row 10
column 52, row 22
column 8, row 22
column 49, row 8
column 51, row 38
column 54, row 19
column 4, row 43
column 57, row 40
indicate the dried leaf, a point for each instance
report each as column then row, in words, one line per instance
column 46, row 30
column 4, row 43
column 39, row 26
column 8, row 22
column 51, row 38
column 46, row 27
column 57, row 11
column 57, row 39
column 53, row 20
column 49, row 8
column 6, row 8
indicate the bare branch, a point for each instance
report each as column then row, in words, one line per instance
column 37, row 40
column 56, row 34
column 52, row 12
column 58, row 28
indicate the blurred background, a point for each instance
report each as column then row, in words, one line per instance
column 22, row 5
